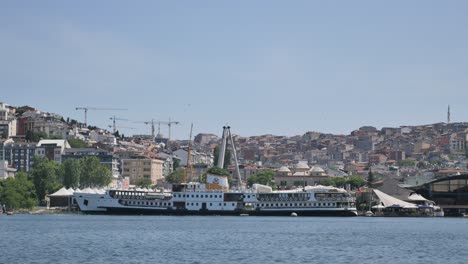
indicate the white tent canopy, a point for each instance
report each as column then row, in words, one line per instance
column 88, row 190
column 62, row 192
column 388, row 200
column 416, row 197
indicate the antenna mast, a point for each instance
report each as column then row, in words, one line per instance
column 448, row 115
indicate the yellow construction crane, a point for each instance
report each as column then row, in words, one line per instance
column 86, row 108
column 189, row 168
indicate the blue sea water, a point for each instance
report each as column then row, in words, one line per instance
column 219, row 239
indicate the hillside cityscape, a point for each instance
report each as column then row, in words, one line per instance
column 396, row 155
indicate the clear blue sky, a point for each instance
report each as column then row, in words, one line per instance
column 280, row 67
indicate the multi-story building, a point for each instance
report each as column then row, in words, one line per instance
column 51, row 124
column 457, row 142
column 105, row 157
column 142, row 168
column 197, row 157
column 7, row 122
column 19, row 155
column 396, row 155
column 205, row 138
column 52, row 149
column 168, row 160
column 300, row 175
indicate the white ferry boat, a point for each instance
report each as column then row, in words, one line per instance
column 202, row 199
column 215, row 198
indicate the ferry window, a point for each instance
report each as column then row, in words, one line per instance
column 219, row 204
column 211, row 204
column 196, row 204
column 232, row 204
column 197, row 196
column 295, row 204
column 290, row 204
column 248, row 196
column 192, row 195
column 224, row 204
column 211, row 196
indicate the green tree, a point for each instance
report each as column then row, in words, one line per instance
column 407, row 163
column 45, row 176
column 262, row 177
column 103, row 176
column 144, row 183
column 227, row 157
column 35, row 136
column 5, row 134
column 217, row 171
column 77, row 143
column 175, row 177
column 18, row 192
column 328, row 182
column 71, row 173
column 93, row 173
column 356, row 181
column 339, row 181
column 175, row 164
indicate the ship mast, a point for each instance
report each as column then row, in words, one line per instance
column 228, row 136
column 189, row 167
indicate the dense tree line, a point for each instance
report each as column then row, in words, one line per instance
column 46, row 177
column 355, row 181
column 18, row 192
column 262, row 177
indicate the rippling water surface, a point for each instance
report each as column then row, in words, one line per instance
column 216, row 239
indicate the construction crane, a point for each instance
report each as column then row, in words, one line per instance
column 117, row 118
column 86, row 108
column 152, row 122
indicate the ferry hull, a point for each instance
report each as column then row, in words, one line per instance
column 149, row 211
